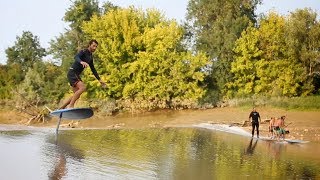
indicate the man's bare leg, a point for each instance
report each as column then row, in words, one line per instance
column 79, row 89
column 66, row 103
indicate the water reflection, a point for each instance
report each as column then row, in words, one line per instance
column 63, row 149
column 274, row 148
column 250, row 148
column 170, row 153
column 60, row 168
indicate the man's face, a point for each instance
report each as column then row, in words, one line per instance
column 93, row 47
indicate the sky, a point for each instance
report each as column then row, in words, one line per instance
column 44, row 18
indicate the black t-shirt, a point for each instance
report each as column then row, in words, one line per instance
column 86, row 56
column 255, row 116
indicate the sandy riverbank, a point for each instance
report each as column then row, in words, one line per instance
column 305, row 125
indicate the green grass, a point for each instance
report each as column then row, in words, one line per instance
column 296, row 103
column 301, row 103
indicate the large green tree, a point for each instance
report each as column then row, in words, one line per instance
column 215, row 26
column 142, row 60
column 303, row 34
column 264, row 64
column 81, row 11
column 27, row 51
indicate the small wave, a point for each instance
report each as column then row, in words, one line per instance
column 224, row 128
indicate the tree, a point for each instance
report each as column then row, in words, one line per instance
column 141, row 60
column 29, row 92
column 63, row 49
column 263, row 65
column 79, row 12
column 26, row 51
column 108, row 6
column 244, row 69
column 216, row 25
column 10, row 76
column 303, row 34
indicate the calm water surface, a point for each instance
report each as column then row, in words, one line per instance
column 171, row 153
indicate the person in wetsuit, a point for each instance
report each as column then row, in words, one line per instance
column 83, row 59
column 255, row 119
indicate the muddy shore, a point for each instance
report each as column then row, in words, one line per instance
column 304, row 125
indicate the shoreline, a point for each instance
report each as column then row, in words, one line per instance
column 304, row 124
column 237, row 130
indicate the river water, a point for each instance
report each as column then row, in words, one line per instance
column 151, row 153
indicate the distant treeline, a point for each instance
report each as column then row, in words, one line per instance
column 223, row 51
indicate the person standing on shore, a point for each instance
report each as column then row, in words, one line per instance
column 255, row 120
column 280, row 127
column 271, row 127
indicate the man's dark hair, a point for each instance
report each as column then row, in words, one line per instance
column 93, row 41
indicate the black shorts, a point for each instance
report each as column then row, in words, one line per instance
column 73, row 78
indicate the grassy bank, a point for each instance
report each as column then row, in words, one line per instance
column 296, row 103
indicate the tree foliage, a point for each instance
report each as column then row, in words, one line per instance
column 31, row 89
column 147, row 64
column 25, row 54
column 141, row 61
column 303, row 34
column 26, row 51
column 10, row 76
column 81, row 11
column 216, row 25
column 265, row 61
